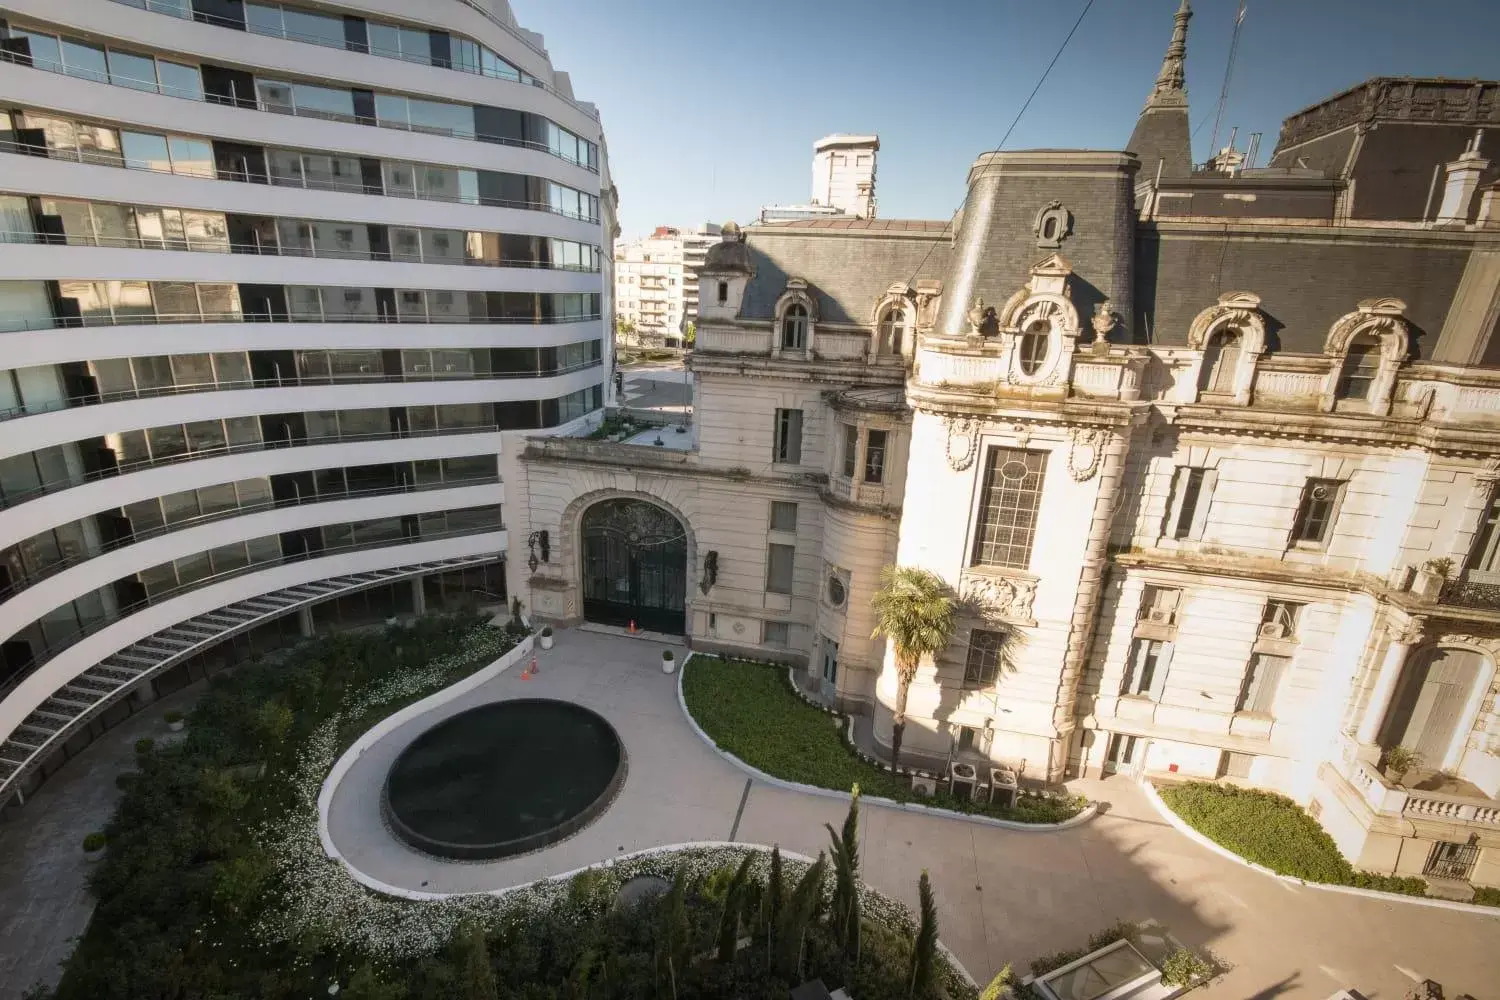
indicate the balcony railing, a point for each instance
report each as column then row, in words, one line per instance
column 282, row 316
column 255, row 103
column 42, row 656
column 239, row 510
column 1389, row 799
column 12, row 499
column 276, row 249
column 290, row 381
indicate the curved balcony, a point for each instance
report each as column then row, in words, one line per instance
column 960, row 364
column 36, row 719
column 208, row 538
column 57, row 427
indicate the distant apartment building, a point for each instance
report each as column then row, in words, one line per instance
column 656, row 284
column 843, row 181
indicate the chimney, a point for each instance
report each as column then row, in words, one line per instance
column 1462, row 182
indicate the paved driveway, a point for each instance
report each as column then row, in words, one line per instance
column 1004, row 896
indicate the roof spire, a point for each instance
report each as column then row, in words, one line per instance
column 1170, row 86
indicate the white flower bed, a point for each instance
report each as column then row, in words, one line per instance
column 321, row 901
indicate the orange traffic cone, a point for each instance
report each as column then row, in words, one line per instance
column 632, row 627
column 534, row 669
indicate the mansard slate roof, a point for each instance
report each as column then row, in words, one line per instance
column 847, row 268
column 729, row 255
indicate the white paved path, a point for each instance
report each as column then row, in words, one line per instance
column 1005, row 896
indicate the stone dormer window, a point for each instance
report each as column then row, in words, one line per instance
column 796, row 318
column 891, row 331
column 1040, row 326
column 1368, row 347
column 1032, row 347
column 794, row 327
column 895, row 321
column 1231, row 335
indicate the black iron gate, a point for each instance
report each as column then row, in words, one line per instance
column 1450, row 860
column 634, row 566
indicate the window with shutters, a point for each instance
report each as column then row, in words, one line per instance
column 1009, row 506
column 1262, row 680
column 851, row 449
column 788, row 444
column 1361, row 367
column 1187, row 513
column 1146, row 673
column 1313, row 526
column 779, row 560
column 783, row 516
column 775, row 633
column 1221, row 361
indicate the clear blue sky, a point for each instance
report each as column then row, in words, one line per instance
column 711, row 107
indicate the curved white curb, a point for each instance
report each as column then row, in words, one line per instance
column 1084, row 815
column 388, row 725
column 1181, row 826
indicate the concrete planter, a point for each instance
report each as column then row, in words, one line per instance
column 668, row 661
column 1427, row 585
column 177, row 726
column 544, row 638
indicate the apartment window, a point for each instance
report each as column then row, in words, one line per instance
column 1361, row 365
column 1192, row 491
column 1279, row 620
column 779, row 559
column 1258, row 691
column 982, row 665
column 1008, row 507
column 788, row 446
column 794, row 327
column 775, row 634
column 875, row 457
column 1317, row 512
column 1485, row 558
column 851, row 449
column 783, row 516
column 1159, row 605
column 1146, row 673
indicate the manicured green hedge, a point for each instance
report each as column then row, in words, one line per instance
column 1273, row 831
column 750, row 710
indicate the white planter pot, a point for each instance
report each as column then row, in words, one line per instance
column 93, row 855
column 667, row 666
column 545, row 641
column 176, row 727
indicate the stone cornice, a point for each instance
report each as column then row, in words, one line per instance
column 841, row 373
column 1389, row 433
column 882, row 511
column 995, row 409
column 1282, row 231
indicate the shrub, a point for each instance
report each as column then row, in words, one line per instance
column 1486, row 895
column 144, row 745
column 93, row 842
column 1184, row 968
column 1120, row 930
column 1406, row 885
column 172, row 716
column 125, row 780
column 1399, row 759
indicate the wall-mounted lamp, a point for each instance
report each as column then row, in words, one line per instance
column 539, row 543
column 710, row 570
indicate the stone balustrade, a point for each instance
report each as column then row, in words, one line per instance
column 838, row 345
column 1288, row 388
column 717, row 340
column 1094, row 379
column 1451, row 808
column 1453, row 402
column 959, row 364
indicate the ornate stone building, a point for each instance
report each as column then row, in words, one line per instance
column 1211, row 459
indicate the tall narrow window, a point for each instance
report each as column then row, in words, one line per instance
column 779, row 561
column 982, row 665
column 851, row 449
column 1146, row 673
column 891, row 322
column 788, row 445
column 723, row 292
column 1221, row 360
column 1485, row 557
column 1192, row 491
column 1262, row 679
column 1317, row 512
column 783, row 516
column 1008, row 507
column 1032, row 349
column 794, row 327
column 1361, row 365
column 875, row 457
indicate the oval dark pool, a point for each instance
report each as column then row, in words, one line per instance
column 503, row 779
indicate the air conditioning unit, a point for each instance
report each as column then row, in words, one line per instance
column 1159, row 616
column 963, row 779
column 923, row 786
column 1273, row 630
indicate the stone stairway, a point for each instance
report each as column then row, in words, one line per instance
column 80, row 699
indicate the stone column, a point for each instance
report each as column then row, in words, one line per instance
column 305, row 621
column 418, row 596
column 1402, row 639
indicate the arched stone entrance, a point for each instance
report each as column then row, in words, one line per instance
column 1430, row 702
column 634, row 565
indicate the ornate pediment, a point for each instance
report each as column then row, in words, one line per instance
column 999, row 597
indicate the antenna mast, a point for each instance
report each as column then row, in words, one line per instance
column 1234, row 44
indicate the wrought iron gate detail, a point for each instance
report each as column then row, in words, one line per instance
column 634, row 566
column 1450, row 860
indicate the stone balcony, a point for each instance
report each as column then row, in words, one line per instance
column 985, row 365
column 827, row 344
column 1466, row 805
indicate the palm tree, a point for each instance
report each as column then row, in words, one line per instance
column 914, row 610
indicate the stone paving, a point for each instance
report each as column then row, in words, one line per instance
column 1005, row 896
column 44, row 902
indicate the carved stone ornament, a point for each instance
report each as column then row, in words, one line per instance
column 1490, row 474
column 976, row 317
column 1085, row 451
column 963, row 442
column 1490, row 644
column 1000, row 597
column 1410, row 632
column 1104, row 320
column 1053, row 225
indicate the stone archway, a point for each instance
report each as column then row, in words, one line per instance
column 1429, row 705
column 634, row 565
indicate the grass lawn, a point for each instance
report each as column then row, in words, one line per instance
column 750, row 710
column 1274, row 831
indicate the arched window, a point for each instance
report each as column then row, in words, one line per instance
column 1221, row 359
column 794, row 327
column 892, row 322
column 1032, row 350
column 1361, row 365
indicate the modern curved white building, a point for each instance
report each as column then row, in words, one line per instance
column 281, row 288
